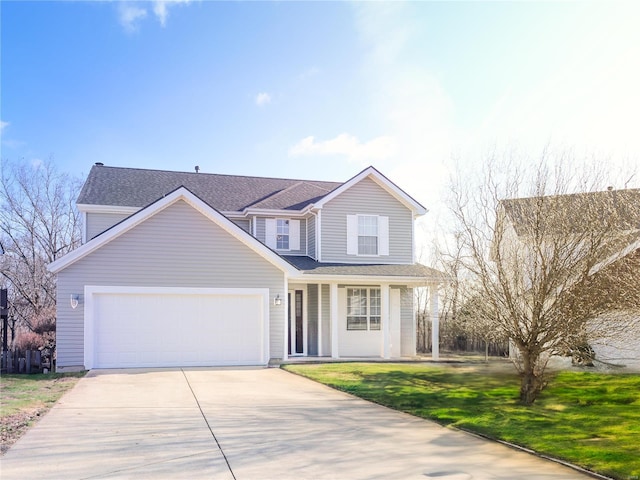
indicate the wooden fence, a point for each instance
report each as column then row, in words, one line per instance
column 29, row 361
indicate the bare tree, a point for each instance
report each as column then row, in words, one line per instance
column 460, row 313
column 548, row 264
column 38, row 224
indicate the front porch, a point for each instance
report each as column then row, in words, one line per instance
column 354, row 320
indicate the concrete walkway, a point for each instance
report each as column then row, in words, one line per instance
column 247, row 424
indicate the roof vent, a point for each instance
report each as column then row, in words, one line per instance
column 610, row 188
column 197, row 169
column 99, row 164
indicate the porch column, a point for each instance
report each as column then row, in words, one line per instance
column 435, row 322
column 285, row 305
column 320, row 353
column 385, row 318
column 333, row 298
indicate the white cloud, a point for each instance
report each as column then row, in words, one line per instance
column 262, row 99
column 161, row 8
column 130, row 15
column 379, row 148
column 3, row 125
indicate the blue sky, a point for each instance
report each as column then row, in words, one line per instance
column 317, row 90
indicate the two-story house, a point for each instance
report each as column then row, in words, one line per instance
column 554, row 244
column 194, row 269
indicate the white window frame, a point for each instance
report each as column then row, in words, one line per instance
column 369, row 311
column 282, row 234
column 272, row 231
column 353, row 235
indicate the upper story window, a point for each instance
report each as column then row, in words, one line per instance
column 282, row 234
column 367, row 235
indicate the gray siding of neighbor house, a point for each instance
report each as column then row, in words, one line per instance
column 99, row 222
column 407, row 330
column 311, row 237
column 261, row 235
column 312, row 319
column 368, row 198
column 177, row 247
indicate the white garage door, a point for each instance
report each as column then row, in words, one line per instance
column 146, row 327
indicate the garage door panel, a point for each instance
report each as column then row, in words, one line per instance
column 165, row 330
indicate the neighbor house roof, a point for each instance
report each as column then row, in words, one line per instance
column 135, row 187
column 574, row 212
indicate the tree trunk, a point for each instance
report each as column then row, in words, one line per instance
column 531, row 379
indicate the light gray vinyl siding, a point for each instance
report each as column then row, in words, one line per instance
column 326, row 322
column 243, row 223
column 177, row 247
column 312, row 319
column 261, row 235
column 261, row 229
column 311, row 237
column 368, row 198
column 99, row 222
column 407, row 328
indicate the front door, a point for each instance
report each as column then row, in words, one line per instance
column 296, row 323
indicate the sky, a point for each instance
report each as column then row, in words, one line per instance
column 317, row 90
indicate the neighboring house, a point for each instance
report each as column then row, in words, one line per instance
column 568, row 217
column 194, row 269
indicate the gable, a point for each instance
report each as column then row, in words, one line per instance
column 366, row 197
column 182, row 244
column 372, row 175
column 181, row 195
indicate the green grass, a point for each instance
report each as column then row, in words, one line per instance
column 21, row 392
column 589, row 419
column 25, row 398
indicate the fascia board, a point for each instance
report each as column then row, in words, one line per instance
column 87, row 208
column 265, row 212
column 616, row 256
column 381, row 180
column 180, row 194
column 364, row 279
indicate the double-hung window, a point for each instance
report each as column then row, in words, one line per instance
column 367, row 235
column 363, row 308
column 282, row 234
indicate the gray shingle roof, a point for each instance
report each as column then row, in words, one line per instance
column 574, row 212
column 312, row 267
column 134, row 187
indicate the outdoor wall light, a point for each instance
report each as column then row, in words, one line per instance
column 277, row 300
column 75, row 299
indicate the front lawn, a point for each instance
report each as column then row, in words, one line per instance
column 589, row 419
column 25, row 398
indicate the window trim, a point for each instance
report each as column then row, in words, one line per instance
column 382, row 235
column 294, row 234
column 286, row 223
column 367, row 307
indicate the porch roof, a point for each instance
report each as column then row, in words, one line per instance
column 414, row 271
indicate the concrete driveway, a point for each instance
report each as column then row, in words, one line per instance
column 247, row 424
